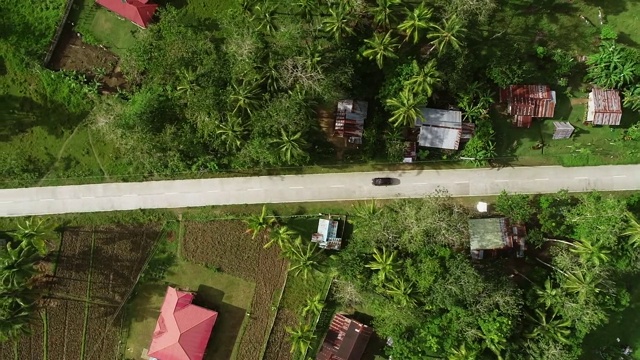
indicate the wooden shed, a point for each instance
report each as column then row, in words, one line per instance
column 604, row 107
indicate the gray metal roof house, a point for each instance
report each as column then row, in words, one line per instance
column 441, row 129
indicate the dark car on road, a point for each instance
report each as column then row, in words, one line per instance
column 382, row 181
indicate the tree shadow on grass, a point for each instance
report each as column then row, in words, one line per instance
column 611, row 7
column 227, row 327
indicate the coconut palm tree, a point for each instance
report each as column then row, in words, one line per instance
column 405, row 109
column 307, row 8
column 365, row 210
column 258, row 223
column 338, row 23
column 15, row 315
column 631, row 98
column 416, row 21
column 381, row 47
column 265, row 15
column 17, row 266
column 304, row 259
column 32, row 232
column 424, row 78
column 313, row 56
column 383, row 14
column 590, row 253
column 632, row 230
column 548, row 296
column 583, row 283
column 461, row 353
column 280, row 236
column 271, row 77
column 447, row 35
column 232, row 132
column 290, row 146
column 553, row 328
column 244, row 97
column 301, row 338
column 400, row 290
column 188, row 82
column 312, row 306
column 384, row 264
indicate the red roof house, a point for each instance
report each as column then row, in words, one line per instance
column 139, row 12
column 345, row 340
column 525, row 102
column 183, row 329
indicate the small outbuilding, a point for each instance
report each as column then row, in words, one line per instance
column 350, row 117
column 563, row 129
column 490, row 237
column 139, row 12
column 525, row 102
column 183, row 329
column 327, row 235
column 440, row 129
column 604, row 107
column 345, row 340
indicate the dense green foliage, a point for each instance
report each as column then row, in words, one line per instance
column 423, row 291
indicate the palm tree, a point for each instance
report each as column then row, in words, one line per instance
column 280, row 236
column 632, row 230
column 555, row 329
column 312, row 306
column 366, row 210
column 590, row 253
column 291, row 146
column 385, row 264
column 549, row 296
column 232, row 132
column 301, row 338
column 313, row 56
column 582, row 283
column 247, row 6
column 405, row 109
column 461, row 353
column 244, row 96
column 31, row 232
column 416, row 21
column 17, row 266
column 188, row 82
column 631, row 98
column 424, row 79
column 307, row 8
column 258, row 223
column 271, row 75
column 304, row 260
column 383, row 13
column 338, row 23
column 15, row 315
column 265, row 14
column 381, row 47
column 400, row 291
column 447, row 35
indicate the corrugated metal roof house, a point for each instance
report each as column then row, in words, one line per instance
column 441, row 128
column 525, row 102
column 604, row 107
column 350, row 117
column 488, row 236
column 327, row 235
column 345, row 340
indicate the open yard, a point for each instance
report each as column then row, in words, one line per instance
column 228, row 295
column 226, row 246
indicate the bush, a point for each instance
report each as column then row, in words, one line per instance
column 516, row 206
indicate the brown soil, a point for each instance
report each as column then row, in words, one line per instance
column 579, row 101
column 326, row 118
column 227, row 246
column 279, row 347
column 96, row 62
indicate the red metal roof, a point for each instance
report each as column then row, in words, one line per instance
column 140, row 12
column 529, row 100
column 183, row 329
column 604, row 107
column 345, row 340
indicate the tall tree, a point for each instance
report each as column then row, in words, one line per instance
column 280, row 236
column 613, row 67
column 416, row 21
column 32, row 232
column 232, row 132
column 401, row 291
column 312, row 306
column 304, row 259
column 17, row 266
column 447, row 35
column 291, row 146
column 632, row 230
column 424, row 79
column 582, row 283
column 553, row 328
column 365, row 210
column 383, row 13
column 339, row 23
column 381, row 47
column 405, row 109
column 258, row 223
column 590, row 252
column 549, row 296
column 384, row 264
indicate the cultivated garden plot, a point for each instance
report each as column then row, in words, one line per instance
column 226, row 246
column 279, row 345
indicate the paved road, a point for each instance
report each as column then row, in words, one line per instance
column 304, row 188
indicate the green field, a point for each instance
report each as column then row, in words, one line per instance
column 228, row 295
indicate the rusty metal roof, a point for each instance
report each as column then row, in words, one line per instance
column 345, row 340
column 604, row 107
column 529, row 100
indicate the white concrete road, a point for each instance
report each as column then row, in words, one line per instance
column 305, row 188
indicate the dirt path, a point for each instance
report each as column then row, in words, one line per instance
column 579, row 101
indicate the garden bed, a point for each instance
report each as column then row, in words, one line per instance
column 226, row 246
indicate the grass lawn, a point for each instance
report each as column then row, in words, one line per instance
column 228, row 295
column 99, row 25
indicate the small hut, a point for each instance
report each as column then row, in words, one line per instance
column 604, row 107
column 563, row 129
